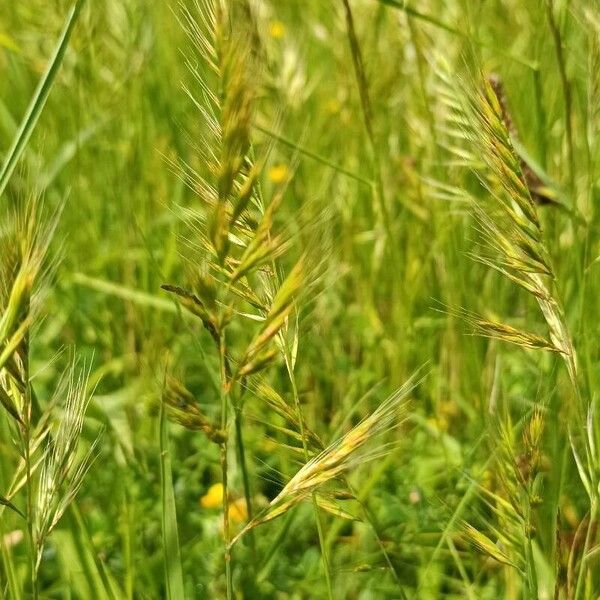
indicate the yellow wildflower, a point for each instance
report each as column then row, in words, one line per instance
column 213, row 497
column 276, row 29
column 278, row 173
column 238, row 512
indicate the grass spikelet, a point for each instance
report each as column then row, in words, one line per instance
column 485, row 544
column 233, row 239
column 182, row 408
column 63, row 469
column 508, row 218
column 507, row 333
column 281, row 307
column 340, row 456
column 23, row 263
column 265, row 393
column 510, row 225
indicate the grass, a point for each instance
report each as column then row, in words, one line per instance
column 298, row 300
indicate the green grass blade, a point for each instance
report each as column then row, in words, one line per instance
column 306, row 152
column 172, row 555
column 39, row 98
column 400, row 5
column 10, row 505
column 11, row 588
column 138, row 297
column 419, row 15
column 79, row 561
column 68, row 151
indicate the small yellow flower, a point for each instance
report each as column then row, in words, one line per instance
column 238, row 512
column 276, row 29
column 278, row 173
column 213, row 497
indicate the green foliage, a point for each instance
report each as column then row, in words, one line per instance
column 285, row 244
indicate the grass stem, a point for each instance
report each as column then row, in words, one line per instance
column 566, row 90
column 322, row 544
column 224, row 468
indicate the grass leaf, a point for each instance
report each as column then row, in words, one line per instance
column 39, row 98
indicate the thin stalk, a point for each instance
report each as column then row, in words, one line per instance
column 563, row 451
column 324, row 553
column 267, row 562
column 310, row 154
column 239, row 438
column 26, row 441
column 224, row 423
column 365, row 102
column 577, row 536
column 571, row 364
column 361, row 498
column 239, row 443
column 39, row 98
column 566, row 89
column 172, row 554
column 461, row 569
column 426, row 18
column 586, row 547
column 371, row 520
column 541, row 126
column 33, row 562
column 322, row 544
column 226, row 531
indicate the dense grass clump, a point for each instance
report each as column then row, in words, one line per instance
column 299, row 299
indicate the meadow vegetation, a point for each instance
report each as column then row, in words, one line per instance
column 298, row 299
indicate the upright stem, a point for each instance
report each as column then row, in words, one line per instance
column 322, row 544
column 224, row 423
column 25, row 436
column 566, row 89
column 365, row 101
column 324, row 553
column 586, row 547
column 26, row 441
column 239, row 443
column 541, row 125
